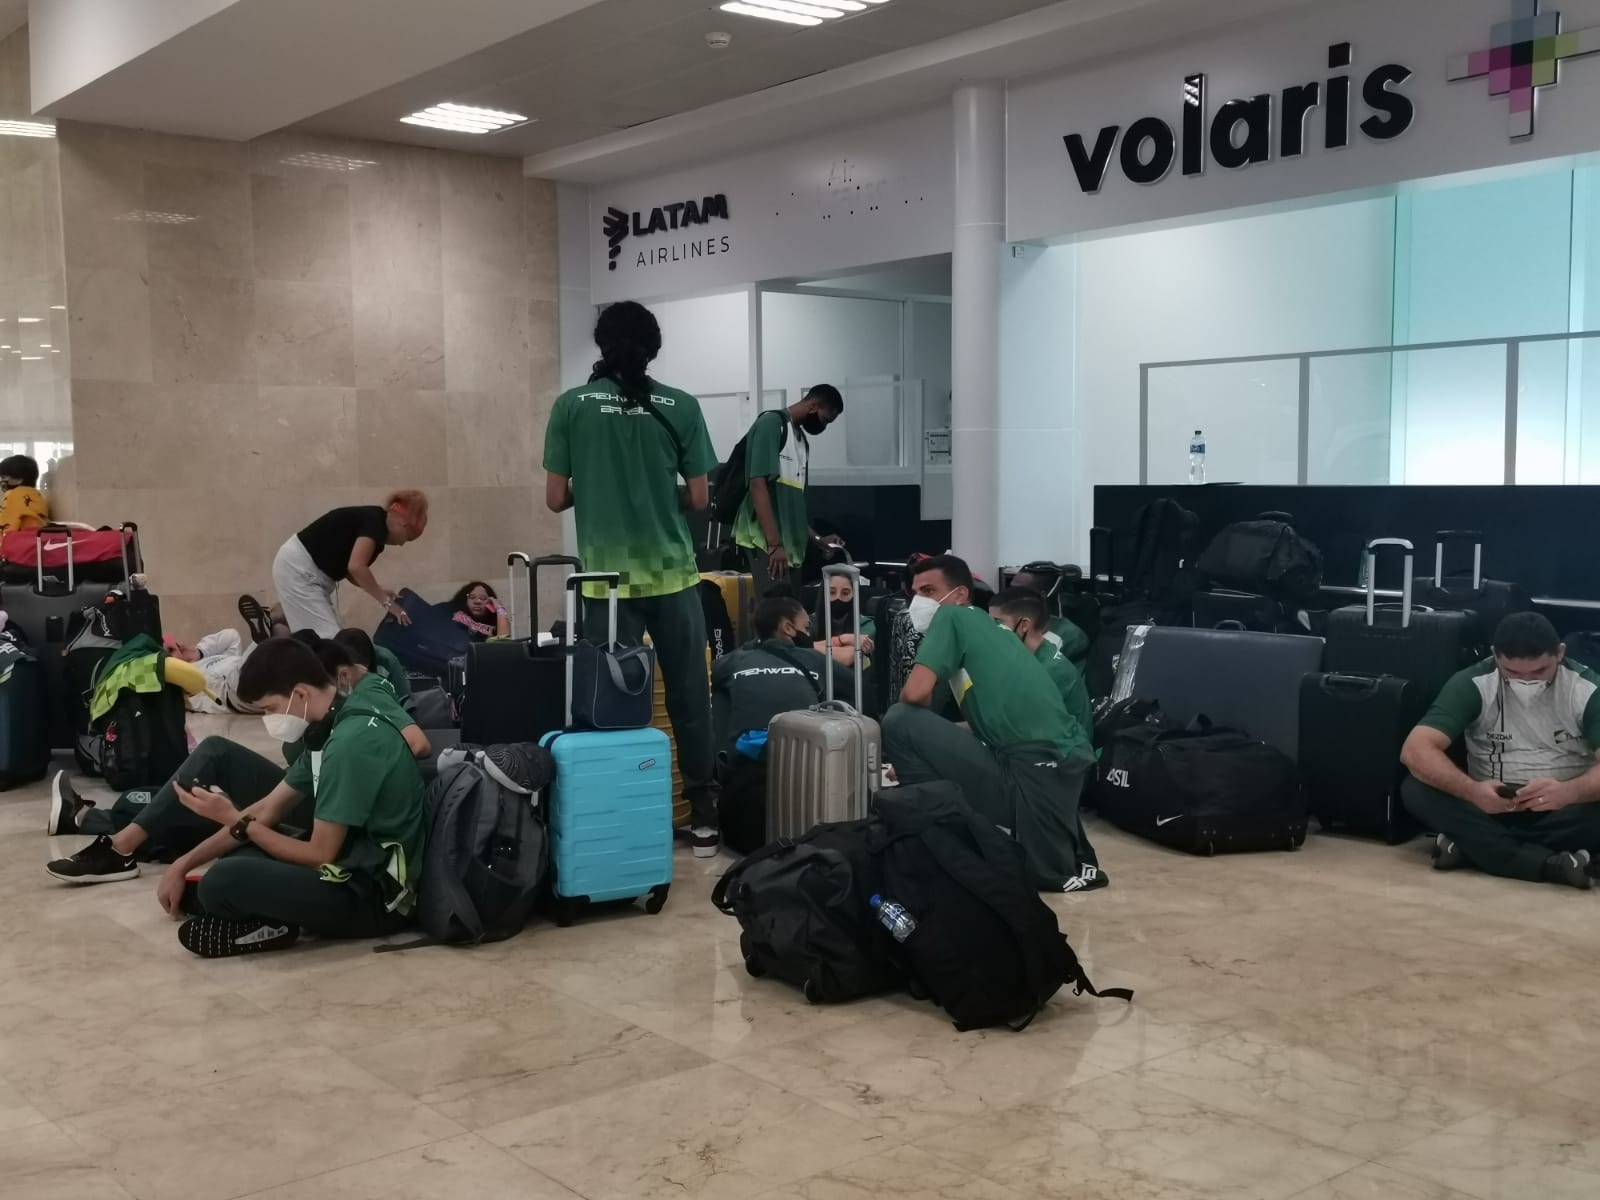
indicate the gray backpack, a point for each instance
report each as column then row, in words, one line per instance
column 487, row 855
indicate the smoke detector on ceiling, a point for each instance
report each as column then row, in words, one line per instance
column 719, row 40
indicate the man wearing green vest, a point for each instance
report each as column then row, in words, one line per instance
column 615, row 451
column 773, row 527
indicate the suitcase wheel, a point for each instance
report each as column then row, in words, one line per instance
column 754, row 969
column 657, row 899
column 565, row 910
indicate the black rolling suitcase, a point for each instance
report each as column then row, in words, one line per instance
column 1351, row 730
column 514, row 690
column 24, row 736
column 1486, row 602
column 1203, row 790
column 50, row 612
column 1420, row 645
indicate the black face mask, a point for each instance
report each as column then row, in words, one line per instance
column 842, row 611
column 803, row 640
column 317, row 733
column 813, row 425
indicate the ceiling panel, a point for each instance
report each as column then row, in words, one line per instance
column 621, row 63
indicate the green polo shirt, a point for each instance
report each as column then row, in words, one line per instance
column 387, row 665
column 625, row 469
column 1005, row 693
column 366, row 779
column 783, row 461
column 1069, row 682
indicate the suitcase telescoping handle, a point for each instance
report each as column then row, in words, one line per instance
column 575, row 583
column 854, row 576
column 1364, row 684
column 1410, row 553
column 65, row 533
column 530, row 568
column 132, row 553
column 1458, row 535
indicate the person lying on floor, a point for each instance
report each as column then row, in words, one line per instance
column 1528, row 805
column 478, row 610
column 219, row 656
column 145, row 824
column 1019, row 757
column 355, row 874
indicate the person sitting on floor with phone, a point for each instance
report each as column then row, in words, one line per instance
column 356, row 792
column 779, row 672
column 1020, row 758
column 153, row 824
column 841, row 591
column 1528, row 805
column 370, row 657
column 1024, row 611
column 479, row 611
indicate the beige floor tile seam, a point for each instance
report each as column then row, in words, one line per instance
column 1419, row 1180
column 107, row 1163
column 485, row 1144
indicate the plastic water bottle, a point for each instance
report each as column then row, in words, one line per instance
column 895, row 918
column 1197, row 458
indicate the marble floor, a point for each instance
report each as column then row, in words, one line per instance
column 1336, row 1024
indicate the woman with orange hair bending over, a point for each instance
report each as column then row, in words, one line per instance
column 339, row 545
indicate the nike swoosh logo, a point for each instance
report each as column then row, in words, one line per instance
column 1168, row 821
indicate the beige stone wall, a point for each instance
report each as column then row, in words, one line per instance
column 34, row 395
column 262, row 332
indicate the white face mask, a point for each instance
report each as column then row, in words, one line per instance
column 285, row 727
column 1526, row 691
column 923, row 608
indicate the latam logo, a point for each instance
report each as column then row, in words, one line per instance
column 1524, row 56
column 618, row 226
column 1244, row 133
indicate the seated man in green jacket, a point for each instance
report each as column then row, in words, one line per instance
column 1023, row 611
column 355, row 874
column 1020, row 757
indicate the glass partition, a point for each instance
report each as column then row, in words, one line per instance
column 1249, row 412
column 1517, row 410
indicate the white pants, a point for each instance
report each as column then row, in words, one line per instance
column 309, row 598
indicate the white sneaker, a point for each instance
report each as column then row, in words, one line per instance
column 705, row 840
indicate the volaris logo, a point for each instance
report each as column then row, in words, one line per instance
column 1525, row 54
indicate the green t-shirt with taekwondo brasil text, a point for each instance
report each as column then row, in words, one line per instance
column 625, row 469
column 783, row 462
column 1005, row 693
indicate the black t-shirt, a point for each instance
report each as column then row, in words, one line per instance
column 330, row 538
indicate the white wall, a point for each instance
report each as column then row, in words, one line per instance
column 929, row 360
column 705, row 350
column 1318, row 279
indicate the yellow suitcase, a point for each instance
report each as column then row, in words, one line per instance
column 660, row 720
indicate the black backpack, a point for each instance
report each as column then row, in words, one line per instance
column 141, row 741
column 805, row 911
column 1265, row 557
column 1163, row 544
column 986, row 948
column 730, row 485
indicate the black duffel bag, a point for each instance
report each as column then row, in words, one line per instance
column 1203, row 790
column 805, row 911
column 1264, row 557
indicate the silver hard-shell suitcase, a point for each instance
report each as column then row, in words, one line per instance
column 823, row 762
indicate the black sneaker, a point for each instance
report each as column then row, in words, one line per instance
column 1570, row 869
column 705, row 841
column 1446, row 854
column 1089, row 879
column 214, row 937
column 256, row 619
column 65, row 807
column 98, row 862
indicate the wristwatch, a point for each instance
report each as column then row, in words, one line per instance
column 241, row 829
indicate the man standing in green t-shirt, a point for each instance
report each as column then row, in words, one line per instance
column 773, row 527
column 1019, row 757
column 615, row 451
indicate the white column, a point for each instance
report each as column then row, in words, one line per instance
column 980, row 230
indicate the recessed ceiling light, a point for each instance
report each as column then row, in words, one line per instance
column 156, row 218
column 26, row 129
column 463, row 118
column 328, row 162
column 44, row 345
column 33, row 358
column 29, row 320
column 799, row 12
